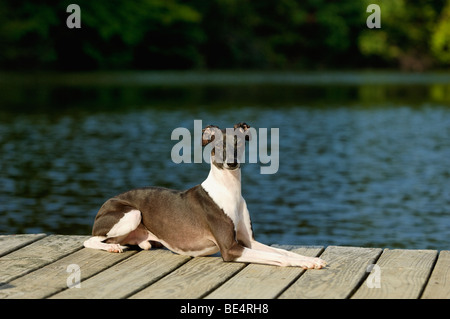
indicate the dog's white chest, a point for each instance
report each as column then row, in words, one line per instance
column 224, row 188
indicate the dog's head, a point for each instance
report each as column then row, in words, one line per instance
column 228, row 144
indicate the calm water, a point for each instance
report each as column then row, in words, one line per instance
column 362, row 165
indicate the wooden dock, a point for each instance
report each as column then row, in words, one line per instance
column 45, row 266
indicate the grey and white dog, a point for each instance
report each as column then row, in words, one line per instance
column 202, row 220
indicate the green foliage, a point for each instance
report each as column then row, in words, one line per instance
column 24, row 32
column 124, row 33
column 440, row 40
column 114, row 34
column 413, row 35
column 224, row 34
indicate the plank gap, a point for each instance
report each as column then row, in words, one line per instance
column 364, row 277
column 429, row 276
column 299, row 275
column 207, row 293
column 59, row 253
column 91, row 275
column 32, row 239
column 126, row 296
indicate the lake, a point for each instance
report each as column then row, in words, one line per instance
column 364, row 159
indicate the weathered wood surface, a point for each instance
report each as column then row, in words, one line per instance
column 36, row 255
column 261, row 281
column 346, row 268
column 439, row 284
column 403, row 274
column 11, row 243
column 40, row 266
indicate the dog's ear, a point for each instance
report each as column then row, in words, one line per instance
column 244, row 129
column 209, row 134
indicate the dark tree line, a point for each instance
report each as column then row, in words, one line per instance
column 224, row 34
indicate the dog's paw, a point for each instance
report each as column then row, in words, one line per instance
column 312, row 263
column 115, row 248
column 319, row 263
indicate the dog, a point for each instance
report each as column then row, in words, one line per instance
column 203, row 220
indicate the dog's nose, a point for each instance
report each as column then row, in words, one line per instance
column 232, row 165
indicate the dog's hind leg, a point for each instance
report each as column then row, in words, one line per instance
column 141, row 237
column 112, row 228
column 97, row 242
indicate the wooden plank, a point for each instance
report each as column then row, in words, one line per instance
column 37, row 255
column 127, row 277
column 35, row 266
column 9, row 243
column 262, row 281
column 439, row 284
column 53, row 278
column 192, row 280
column 345, row 270
column 403, row 274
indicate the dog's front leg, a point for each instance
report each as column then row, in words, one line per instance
column 245, row 235
column 249, row 255
column 262, row 247
column 231, row 250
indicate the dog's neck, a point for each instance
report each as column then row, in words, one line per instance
column 224, row 187
column 231, row 179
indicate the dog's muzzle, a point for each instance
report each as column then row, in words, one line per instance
column 231, row 166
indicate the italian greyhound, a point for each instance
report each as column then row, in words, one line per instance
column 200, row 221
